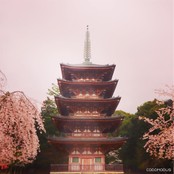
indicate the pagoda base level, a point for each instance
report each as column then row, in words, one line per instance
column 87, row 172
column 87, row 169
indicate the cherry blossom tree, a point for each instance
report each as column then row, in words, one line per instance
column 160, row 137
column 19, row 122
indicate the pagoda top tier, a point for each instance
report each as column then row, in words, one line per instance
column 87, row 71
column 90, row 73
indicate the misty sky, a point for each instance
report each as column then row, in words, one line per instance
column 136, row 35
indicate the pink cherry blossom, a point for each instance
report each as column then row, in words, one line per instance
column 161, row 145
column 19, row 143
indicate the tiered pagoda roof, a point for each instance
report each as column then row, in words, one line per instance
column 86, row 101
column 73, row 89
column 82, row 107
column 104, row 124
column 105, row 144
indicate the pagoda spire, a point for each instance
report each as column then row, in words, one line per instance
column 87, row 47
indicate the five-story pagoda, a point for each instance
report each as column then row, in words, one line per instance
column 86, row 109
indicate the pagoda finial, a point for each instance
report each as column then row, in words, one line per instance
column 87, row 47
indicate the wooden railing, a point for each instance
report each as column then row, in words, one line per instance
column 79, row 168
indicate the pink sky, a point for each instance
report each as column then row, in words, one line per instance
column 136, row 35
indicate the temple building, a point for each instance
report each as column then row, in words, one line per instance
column 86, row 116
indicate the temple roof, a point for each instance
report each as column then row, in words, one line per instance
column 103, row 140
column 102, row 89
column 67, row 124
column 87, row 66
column 105, row 143
column 74, row 72
column 94, row 83
column 69, row 106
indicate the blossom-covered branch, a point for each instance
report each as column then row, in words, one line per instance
column 19, row 142
column 160, row 137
